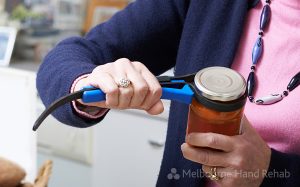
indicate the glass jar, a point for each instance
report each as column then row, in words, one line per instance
column 219, row 102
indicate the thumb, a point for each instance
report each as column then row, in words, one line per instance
column 246, row 126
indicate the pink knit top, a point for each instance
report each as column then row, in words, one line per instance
column 278, row 124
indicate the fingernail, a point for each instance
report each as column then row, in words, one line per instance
column 182, row 146
column 187, row 138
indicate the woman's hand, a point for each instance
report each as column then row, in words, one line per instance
column 143, row 93
column 243, row 160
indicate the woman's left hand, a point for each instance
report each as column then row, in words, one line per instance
column 241, row 160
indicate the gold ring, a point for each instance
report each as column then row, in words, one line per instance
column 124, row 83
column 213, row 175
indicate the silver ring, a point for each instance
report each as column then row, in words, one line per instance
column 213, row 175
column 124, row 83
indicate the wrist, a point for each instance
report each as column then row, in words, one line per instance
column 83, row 109
column 79, row 83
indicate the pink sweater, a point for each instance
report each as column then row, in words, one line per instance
column 278, row 124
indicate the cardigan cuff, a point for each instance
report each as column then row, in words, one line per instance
column 282, row 170
column 87, row 112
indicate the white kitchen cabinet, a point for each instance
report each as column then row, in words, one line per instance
column 128, row 149
column 125, row 149
column 18, row 105
column 55, row 138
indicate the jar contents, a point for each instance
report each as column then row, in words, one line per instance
column 203, row 119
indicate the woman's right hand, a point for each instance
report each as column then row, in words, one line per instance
column 143, row 93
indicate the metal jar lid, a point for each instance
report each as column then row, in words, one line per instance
column 220, row 83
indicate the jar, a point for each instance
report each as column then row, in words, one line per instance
column 219, row 102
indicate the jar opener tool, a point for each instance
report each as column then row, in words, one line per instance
column 181, row 89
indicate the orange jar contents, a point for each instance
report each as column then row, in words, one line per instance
column 202, row 119
column 219, row 102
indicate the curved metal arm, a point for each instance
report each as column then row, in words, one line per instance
column 59, row 102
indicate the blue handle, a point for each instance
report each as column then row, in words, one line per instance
column 183, row 95
column 93, row 96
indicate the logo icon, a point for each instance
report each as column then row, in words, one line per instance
column 173, row 174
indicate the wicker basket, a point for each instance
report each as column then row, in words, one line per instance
column 12, row 175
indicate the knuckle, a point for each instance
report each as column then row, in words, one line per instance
column 142, row 90
column 111, row 100
column 112, row 91
column 135, row 103
column 148, row 103
column 212, row 141
column 122, row 107
column 111, row 103
column 156, row 92
column 146, row 106
column 128, row 93
column 239, row 162
column 123, row 60
column 203, row 157
column 102, row 68
column 123, row 104
column 138, row 64
column 97, row 69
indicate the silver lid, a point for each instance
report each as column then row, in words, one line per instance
column 220, row 83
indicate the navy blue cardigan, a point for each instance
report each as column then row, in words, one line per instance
column 187, row 34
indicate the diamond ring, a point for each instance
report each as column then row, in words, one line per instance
column 124, row 83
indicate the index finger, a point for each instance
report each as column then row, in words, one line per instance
column 211, row 140
column 205, row 156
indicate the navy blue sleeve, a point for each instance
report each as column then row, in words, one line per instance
column 284, row 170
column 147, row 31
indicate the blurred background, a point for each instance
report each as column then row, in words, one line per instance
column 124, row 150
